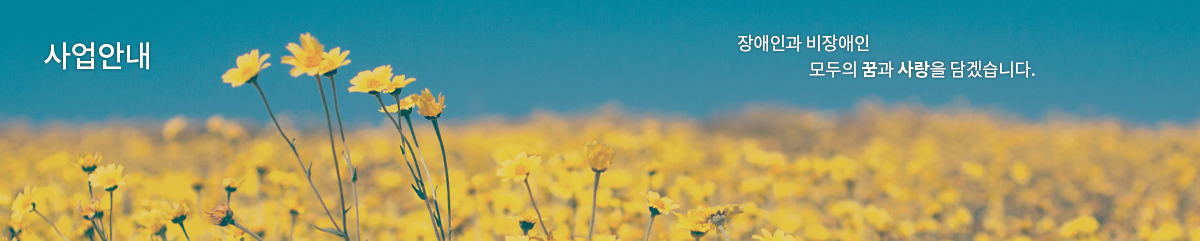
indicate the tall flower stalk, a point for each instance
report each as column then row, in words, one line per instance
column 518, row 169
column 333, row 152
column 309, row 58
column 109, row 178
column 26, row 202
column 600, row 157
column 658, row 205
column 431, row 108
column 330, row 62
column 247, row 71
column 377, row 82
column 345, row 148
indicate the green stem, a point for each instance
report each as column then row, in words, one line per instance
column 406, row 119
column 228, row 195
column 51, row 225
column 449, row 216
column 98, row 229
column 292, row 230
column 535, row 207
column 433, row 217
column 111, row 212
column 244, row 229
column 185, row 235
column 649, row 227
column 333, row 152
column 595, row 190
column 349, row 163
column 307, row 171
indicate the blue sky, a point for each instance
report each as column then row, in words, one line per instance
column 1133, row 60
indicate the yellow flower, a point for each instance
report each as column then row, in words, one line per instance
column 88, row 162
column 91, row 210
column 778, row 236
column 232, row 184
column 659, row 204
column 696, row 222
column 108, row 177
column 372, row 81
column 1081, row 225
column 519, row 167
column 599, row 155
column 178, row 213
column 25, row 202
column 150, row 222
column 430, row 107
column 247, row 69
column 526, row 222
column 398, row 84
column 220, row 215
column 15, row 225
column 724, row 213
column 307, row 56
column 333, row 60
column 406, row 103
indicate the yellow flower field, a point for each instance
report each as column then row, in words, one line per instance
column 896, row 173
column 876, row 173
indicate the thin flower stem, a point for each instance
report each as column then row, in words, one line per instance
column 432, row 198
column 357, row 221
column 449, row 216
column 292, row 230
column 333, row 152
column 415, row 155
column 185, row 235
column 39, row 213
column 111, row 212
column 409, row 120
column 228, row 195
column 346, row 150
column 433, row 217
column 90, row 193
column 649, row 227
column 102, row 232
column 595, row 190
column 723, row 233
column 307, row 172
column 98, row 230
column 235, row 223
column 412, row 131
column 535, row 207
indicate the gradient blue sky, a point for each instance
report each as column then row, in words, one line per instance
column 1134, row 60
